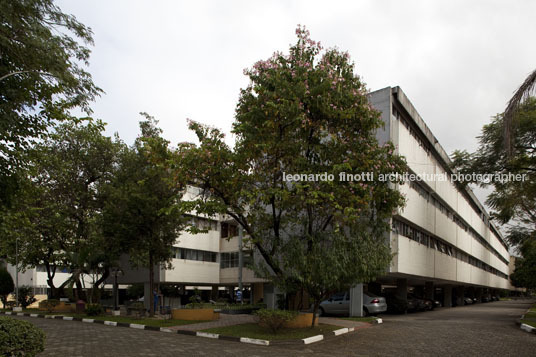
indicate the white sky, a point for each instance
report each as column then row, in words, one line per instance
column 458, row 61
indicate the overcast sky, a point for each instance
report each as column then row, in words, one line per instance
column 458, row 61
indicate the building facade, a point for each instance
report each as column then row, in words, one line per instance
column 443, row 238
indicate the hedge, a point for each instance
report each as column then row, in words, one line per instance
column 20, row 338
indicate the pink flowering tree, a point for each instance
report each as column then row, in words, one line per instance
column 305, row 113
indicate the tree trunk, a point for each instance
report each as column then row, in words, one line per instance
column 94, row 290
column 315, row 309
column 151, row 283
column 50, row 278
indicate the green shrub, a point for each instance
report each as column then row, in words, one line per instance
column 49, row 304
column 275, row 319
column 20, row 338
column 26, row 296
column 94, row 309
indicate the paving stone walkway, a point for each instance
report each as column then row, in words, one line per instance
column 473, row 330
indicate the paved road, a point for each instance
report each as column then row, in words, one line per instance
column 479, row 330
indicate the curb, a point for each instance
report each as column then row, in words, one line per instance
column 254, row 341
column 525, row 327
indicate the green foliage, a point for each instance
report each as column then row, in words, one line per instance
column 42, row 77
column 513, row 202
column 135, row 291
column 302, row 113
column 143, row 202
column 525, row 267
column 94, row 310
column 20, row 338
column 275, row 319
column 6, row 285
column 26, row 296
column 49, row 304
column 59, row 204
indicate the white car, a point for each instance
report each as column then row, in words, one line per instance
column 339, row 304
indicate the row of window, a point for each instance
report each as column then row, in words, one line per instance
column 450, row 214
column 428, row 150
column 429, row 241
column 227, row 260
column 204, row 223
column 195, row 254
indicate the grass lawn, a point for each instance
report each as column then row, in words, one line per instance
column 360, row 319
column 255, row 331
column 531, row 315
column 529, row 322
column 125, row 319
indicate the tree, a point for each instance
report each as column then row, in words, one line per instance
column 144, row 210
column 6, row 286
column 42, row 77
column 303, row 113
column 55, row 215
column 525, row 269
column 520, row 96
column 513, row 201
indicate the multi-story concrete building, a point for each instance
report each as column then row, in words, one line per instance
column 443, row 237
column 443, row 242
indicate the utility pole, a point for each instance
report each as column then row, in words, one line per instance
column 240, row 260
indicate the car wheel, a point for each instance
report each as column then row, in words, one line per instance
column 321, row 312
column 365, row 312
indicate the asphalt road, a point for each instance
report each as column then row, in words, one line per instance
column 477, row 330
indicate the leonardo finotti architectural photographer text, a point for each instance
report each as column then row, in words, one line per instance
column 406, row 177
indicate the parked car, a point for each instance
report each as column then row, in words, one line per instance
column 486, row 298
column 494, row 298
column 373, row 304
column 418, row 304
column 467, row 301
column 432, row 303
column 339, row 304
column 475, row 300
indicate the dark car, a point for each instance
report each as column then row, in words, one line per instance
column 432, row 303
column 467, row 301
column 486, row 299
column 418, row 304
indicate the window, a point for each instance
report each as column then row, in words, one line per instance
column 338, row 297
column 194, row 254
column 231, row 260
column 228, row 230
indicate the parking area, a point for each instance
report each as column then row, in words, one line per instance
column 474, row 330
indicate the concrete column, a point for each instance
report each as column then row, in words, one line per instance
column 214, row 293
column 356, row 301
column 402, row 289
column 478, row 294
column 460, row 291
column 269, row 293
column 147, row 296
column 429, row 290
column 471, row 292
column 447, row 296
